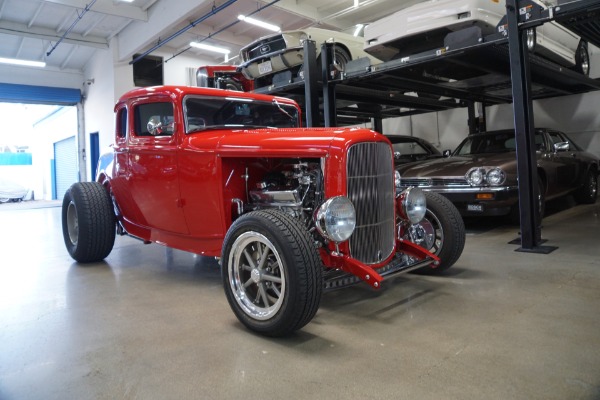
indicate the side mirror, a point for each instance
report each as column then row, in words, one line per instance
column 447, row 153
column 154, row 126
column 562, row 146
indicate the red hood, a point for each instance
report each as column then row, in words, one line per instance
column 289, row 142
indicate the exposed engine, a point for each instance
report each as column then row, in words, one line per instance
column 296, row 189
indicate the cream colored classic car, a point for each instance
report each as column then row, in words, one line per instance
column 423, row 27
column 283, row 51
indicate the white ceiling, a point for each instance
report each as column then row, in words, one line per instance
column 66, row 33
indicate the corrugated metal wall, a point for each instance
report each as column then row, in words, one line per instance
column 65, row 159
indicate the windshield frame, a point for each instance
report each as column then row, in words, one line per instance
column 223, row 108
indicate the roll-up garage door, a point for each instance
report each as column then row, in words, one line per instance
column 65, row 160
column 10, row 93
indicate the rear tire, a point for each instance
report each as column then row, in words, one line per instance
column 88, row 222
column 582, row 59
column 272, row 273
column 588, row 193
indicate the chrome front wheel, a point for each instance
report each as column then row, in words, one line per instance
column 272, row 273
column 256, row 276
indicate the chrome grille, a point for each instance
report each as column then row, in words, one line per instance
column 264, row 48
column 427, row 182
column 371, row 189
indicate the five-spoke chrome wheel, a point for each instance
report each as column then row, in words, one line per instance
column 256, row 275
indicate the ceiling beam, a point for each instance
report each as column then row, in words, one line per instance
column 107, row 7
column 165, row 17
column 16, row 29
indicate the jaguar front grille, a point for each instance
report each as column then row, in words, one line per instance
column 370, row 183
column 429, row 182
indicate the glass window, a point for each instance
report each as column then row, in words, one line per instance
column 410, row 148
column 122, row 123
column 154, row 119
column 204, row 113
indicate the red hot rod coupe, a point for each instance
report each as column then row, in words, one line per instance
column 289, row 211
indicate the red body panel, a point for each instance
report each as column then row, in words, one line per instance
column 178, row 190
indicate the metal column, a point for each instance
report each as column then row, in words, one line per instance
column 329, row 108
column 311, row 94
column 524, row 135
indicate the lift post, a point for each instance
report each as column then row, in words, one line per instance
column 529, row 190
column 311, row 85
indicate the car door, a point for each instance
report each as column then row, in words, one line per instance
column 564, row 156
column 152, row 171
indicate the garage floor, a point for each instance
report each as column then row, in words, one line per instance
column 152, row 323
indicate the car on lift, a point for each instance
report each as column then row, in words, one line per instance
column 223, row 77
column 480, row 177
column 289, row 211
column 267, row 56
column 424, row 26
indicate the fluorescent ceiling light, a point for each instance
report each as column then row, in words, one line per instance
column 262, row 24
column 210, row 48
column 27, row 63
column 358, row 29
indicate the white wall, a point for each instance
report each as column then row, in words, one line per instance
column 40, row 76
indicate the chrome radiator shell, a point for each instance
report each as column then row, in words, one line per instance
column 370, row 186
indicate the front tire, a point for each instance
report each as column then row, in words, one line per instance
column 88, row 222
column 272, row 273
column 445, row 230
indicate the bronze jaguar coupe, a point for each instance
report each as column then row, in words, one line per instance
column 480, row 177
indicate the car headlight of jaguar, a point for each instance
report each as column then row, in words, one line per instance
column 336, row 219
column 492, row 176
column 495, row 177
column 412, row 205
column 475, row 176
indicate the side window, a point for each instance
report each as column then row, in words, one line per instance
column 121, row 123
column 154, row 119
column 411, row 148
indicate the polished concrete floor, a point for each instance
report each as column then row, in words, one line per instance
column 152, row 323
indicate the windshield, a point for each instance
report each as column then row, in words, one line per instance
column 495, row 142
column 206, row 112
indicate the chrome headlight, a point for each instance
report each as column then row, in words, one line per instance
column 336, row 219
column 495, row 177
column 475, row 176
column 492, row 176
column 397, row 180
column 412, row 205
